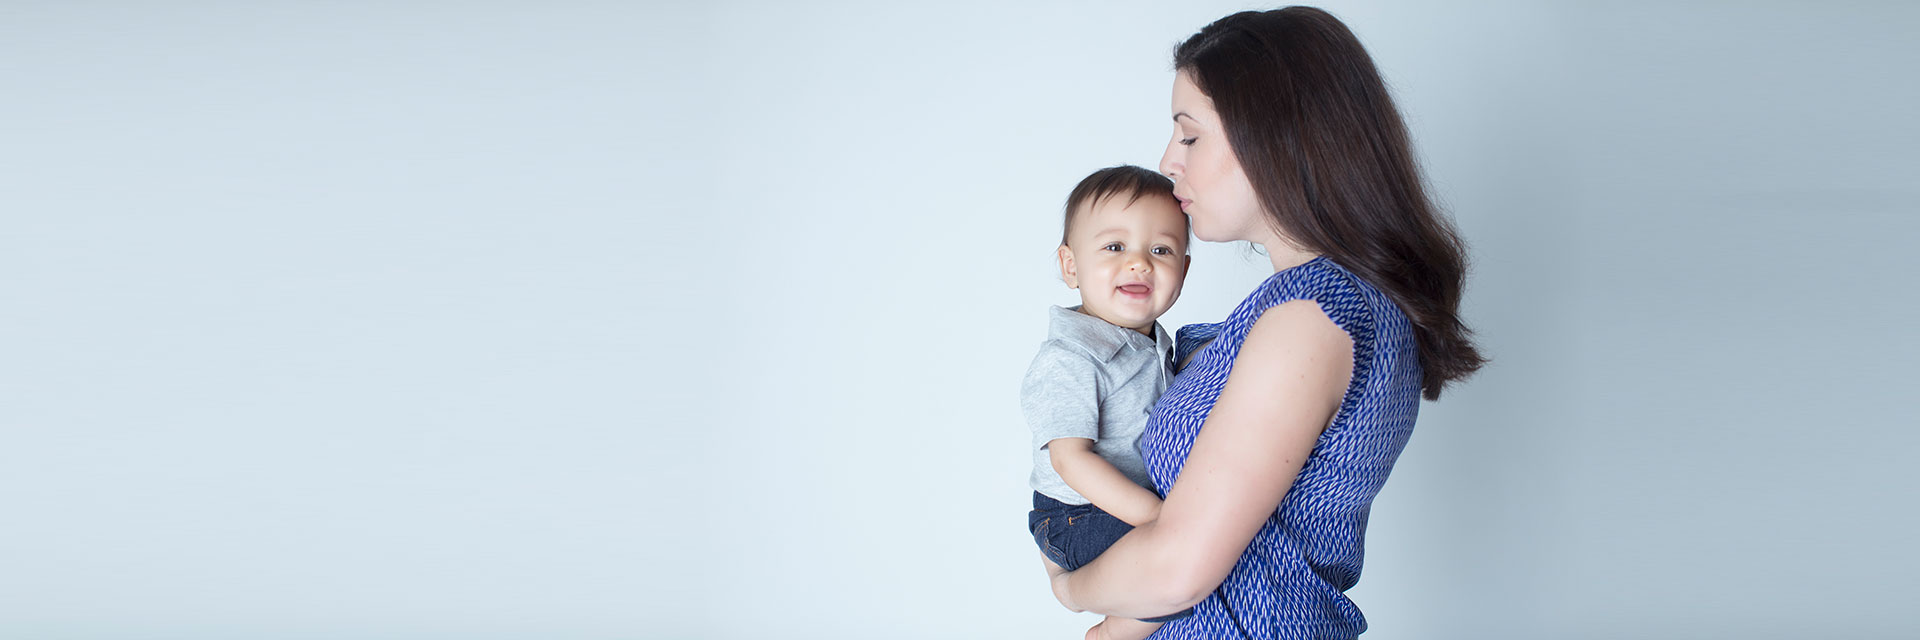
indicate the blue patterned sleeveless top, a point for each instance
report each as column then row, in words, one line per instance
column 1291, row 582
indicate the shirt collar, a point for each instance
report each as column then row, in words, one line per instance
column 1103, row 340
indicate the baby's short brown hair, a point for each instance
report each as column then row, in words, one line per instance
column 1124, row 180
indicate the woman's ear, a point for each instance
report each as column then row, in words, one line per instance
column 1067, row 273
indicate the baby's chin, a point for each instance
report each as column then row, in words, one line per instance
column 1136, row 323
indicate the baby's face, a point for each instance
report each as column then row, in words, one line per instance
column 1127, row 259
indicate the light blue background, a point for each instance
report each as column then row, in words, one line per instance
column 677, row 320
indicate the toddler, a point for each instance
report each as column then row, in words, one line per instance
column 1088, row 392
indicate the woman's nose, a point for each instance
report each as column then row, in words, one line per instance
column 1169, row 167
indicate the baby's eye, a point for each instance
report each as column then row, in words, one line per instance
column 1113, row 246
column 1162, row 251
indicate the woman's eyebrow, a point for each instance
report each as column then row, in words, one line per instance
column 1176, row 117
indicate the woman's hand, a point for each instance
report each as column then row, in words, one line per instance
column 1058, row 576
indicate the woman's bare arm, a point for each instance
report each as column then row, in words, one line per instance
column 1286, row 383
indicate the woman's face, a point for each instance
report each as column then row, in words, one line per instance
column 1212, row 189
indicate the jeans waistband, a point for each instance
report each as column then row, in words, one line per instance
column 1044, row 503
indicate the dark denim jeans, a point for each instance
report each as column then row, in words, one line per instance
column 1072, row 535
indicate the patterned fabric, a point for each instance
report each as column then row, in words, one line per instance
column 1292, row 579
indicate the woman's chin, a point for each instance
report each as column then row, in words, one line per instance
column 1208, row 237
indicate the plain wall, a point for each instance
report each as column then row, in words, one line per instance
column 706, row 320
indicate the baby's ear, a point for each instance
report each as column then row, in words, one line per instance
column 1067, row 273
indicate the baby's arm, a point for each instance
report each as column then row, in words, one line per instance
column 1100, row 483
column 1061, row 399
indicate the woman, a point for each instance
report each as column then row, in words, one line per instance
column 1284, row 136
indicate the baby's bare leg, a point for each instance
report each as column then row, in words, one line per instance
column 1114, row 628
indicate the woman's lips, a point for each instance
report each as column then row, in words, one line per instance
column 1183, row 202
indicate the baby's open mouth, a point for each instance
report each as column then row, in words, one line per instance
column 1137, row 288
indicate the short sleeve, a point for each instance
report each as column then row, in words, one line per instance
column 1061, row 395
column 1191, row 338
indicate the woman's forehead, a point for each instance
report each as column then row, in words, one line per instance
column 1188, row 102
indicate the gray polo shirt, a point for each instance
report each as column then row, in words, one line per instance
column 1093, row 380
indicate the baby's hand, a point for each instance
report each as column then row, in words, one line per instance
column 1098, row 632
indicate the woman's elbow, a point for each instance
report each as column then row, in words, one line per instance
column 1178, row 594
column 1183, row 593
column 1187, row 581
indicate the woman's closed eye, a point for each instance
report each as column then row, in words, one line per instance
column 1189, row 141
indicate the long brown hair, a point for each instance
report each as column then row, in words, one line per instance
column 1326, row 151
